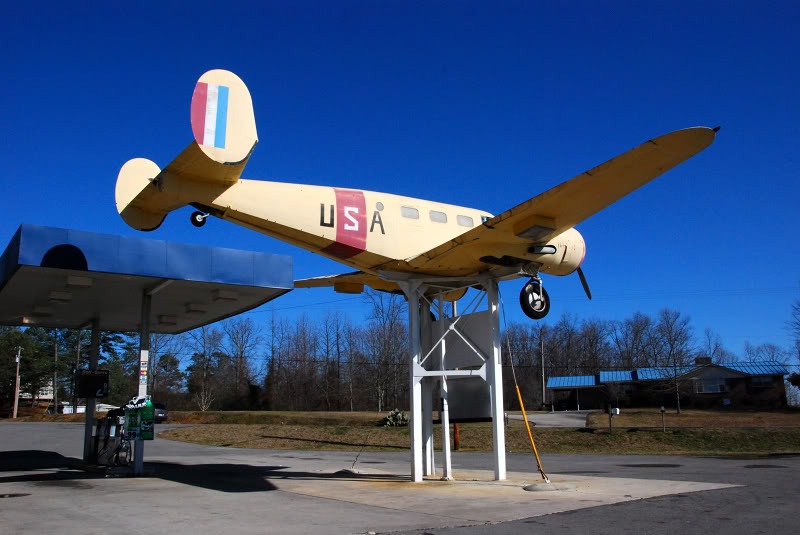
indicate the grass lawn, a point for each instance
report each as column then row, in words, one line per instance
column 701, row 433
column 636, row 431
column 696, row 418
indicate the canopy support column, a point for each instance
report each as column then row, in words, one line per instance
column 94, row 355
column 144, row 358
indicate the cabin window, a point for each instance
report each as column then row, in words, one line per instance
column 465, row 221
column 711, row 385
column 438, row 217
column 762, row 381
column 409, row 212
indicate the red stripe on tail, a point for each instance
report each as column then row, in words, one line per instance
column 199, row 99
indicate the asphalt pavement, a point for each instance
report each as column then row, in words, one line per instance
column 201, row 489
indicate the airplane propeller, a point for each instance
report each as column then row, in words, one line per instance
column 584, row 283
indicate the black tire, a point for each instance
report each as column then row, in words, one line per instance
column 198, row 219
column 534, row 309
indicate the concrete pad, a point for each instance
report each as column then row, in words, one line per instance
column 475, row 498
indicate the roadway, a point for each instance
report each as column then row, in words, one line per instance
column 202, row 489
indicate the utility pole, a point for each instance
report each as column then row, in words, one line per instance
column 75, row 375
column 55, row 371
column 544, row 399
column 16, row 386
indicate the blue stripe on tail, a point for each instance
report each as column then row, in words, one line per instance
column 222, row 117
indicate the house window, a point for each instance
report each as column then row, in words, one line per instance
column 762, row 381
column 465, row 221
column 409, row 212
column 438, row 217
column 711, row 385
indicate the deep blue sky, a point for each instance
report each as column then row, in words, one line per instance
column 460, row 102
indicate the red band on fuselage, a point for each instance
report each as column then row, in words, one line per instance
column 351, row 224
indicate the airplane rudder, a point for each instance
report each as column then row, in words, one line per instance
column 223, row 122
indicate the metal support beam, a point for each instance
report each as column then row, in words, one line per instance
column 427, row 391
column 412, row 291
column 447, row 469
column 94, row 356
column 494, row 376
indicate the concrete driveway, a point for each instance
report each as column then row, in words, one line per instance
column 202, row 489
column 555, row 419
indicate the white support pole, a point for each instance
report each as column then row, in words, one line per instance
column 494, row 376
column 427, row 393
column 144, row 342
column 544, row 393
column 412, row 291
column 94, row 356
column 144, row 357
column 16, row 385
column 427, row 427
column 447, row 471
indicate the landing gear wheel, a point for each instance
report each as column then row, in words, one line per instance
column 198, row 219
column 534, row 300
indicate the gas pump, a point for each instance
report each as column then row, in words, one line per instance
column 139, row 419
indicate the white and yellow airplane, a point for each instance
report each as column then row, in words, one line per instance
column 387, row 238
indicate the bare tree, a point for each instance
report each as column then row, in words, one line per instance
column 675, row 334
column 634, row 340
column 387, row 338
column 794, row 322
column 160, row 345
column 205, row 342
column 712, row 348
column 595, row 351
column 243, row 338
column 767, row 351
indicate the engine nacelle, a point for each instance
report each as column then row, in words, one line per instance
column 570, row 249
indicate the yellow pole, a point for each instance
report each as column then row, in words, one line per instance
column 530, row 435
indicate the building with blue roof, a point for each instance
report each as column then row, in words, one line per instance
column 741, row 384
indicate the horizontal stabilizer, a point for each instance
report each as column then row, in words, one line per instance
column 348, row 283
column 134, row 194
column 353, row 283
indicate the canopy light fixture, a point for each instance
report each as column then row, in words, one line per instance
column 60, row 297
column 167, row 320
column 78, row 282
column 196, row 308
column 225, row 295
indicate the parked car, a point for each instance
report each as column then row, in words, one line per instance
column 160, row 412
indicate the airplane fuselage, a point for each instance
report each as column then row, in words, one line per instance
column 363, row 229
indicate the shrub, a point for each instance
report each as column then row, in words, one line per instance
column 396, row 418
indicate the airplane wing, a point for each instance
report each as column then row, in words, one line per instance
column 560, row 208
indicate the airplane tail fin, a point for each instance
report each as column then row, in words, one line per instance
column 224, row 128
column 223, row 123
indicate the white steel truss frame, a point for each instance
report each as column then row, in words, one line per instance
column 420, row 388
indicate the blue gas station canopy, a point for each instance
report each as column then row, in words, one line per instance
column 64, row 278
